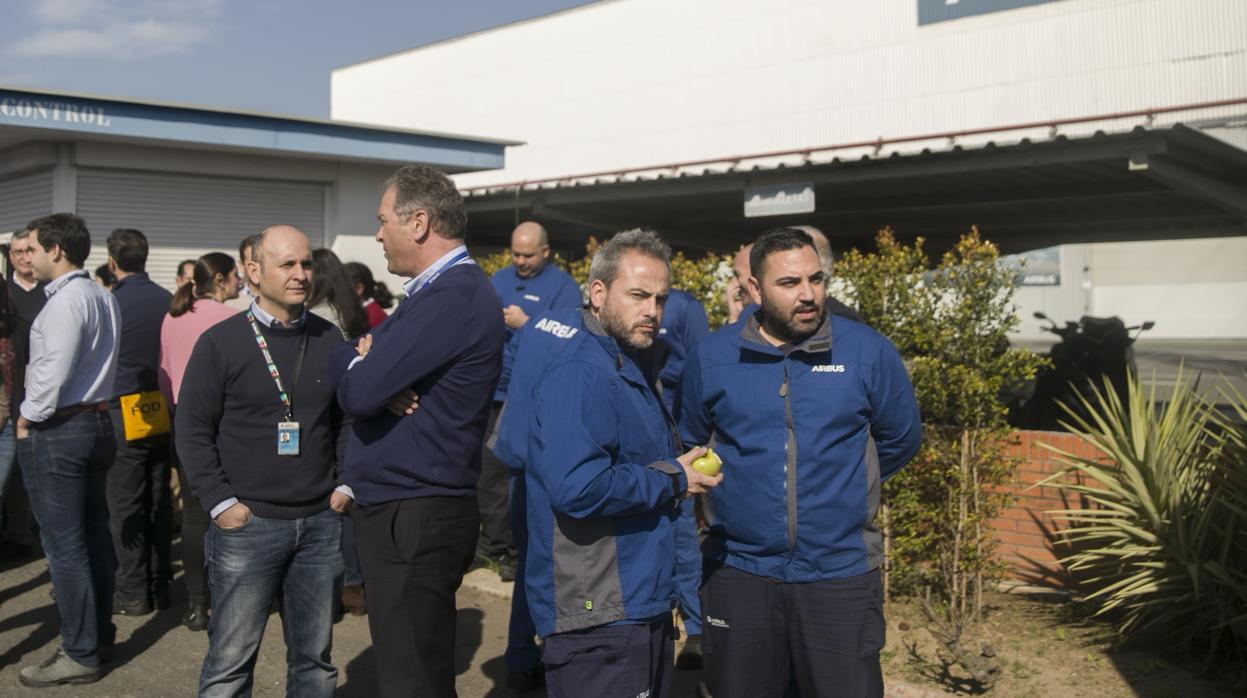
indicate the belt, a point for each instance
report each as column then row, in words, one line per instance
column 75, row 409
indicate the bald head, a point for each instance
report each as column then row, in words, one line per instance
column 281, row 270
column 822, row 246
column 530, row 249
column 740, row 265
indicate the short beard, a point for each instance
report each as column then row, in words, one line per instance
column 782, row 324
column 616, row 327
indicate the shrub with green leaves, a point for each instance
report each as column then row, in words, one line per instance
column 1164, row 543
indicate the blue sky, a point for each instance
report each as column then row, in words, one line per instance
column 264, row 55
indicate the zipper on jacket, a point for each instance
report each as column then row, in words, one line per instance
column 790, row 464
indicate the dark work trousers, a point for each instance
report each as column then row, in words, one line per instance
column 611, row 661
column 414, row 553
column 757, row 632
column 491, row 490
column 140, row 512
column 522, row 654
column 195, row 523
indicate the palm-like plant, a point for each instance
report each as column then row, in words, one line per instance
column 1163, row 545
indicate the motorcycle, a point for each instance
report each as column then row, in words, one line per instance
column 1090, row 351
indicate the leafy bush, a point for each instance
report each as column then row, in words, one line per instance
column 951, row 324
column 1165, row 544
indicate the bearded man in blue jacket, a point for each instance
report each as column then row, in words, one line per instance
column 810, row 413
column 604, row 481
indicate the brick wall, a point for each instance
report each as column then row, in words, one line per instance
column 1025, row 531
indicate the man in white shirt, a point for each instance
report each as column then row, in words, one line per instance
column 73, row 360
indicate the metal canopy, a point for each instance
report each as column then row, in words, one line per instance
column 1161, row 183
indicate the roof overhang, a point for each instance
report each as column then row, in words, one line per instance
column 28, row 115
column 1159, row 183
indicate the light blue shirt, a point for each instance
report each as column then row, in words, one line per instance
column 427, row 276
column 73, row 347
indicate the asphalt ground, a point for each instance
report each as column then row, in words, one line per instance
column 156, row 657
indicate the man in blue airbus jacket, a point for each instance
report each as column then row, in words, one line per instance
column 809, row 412
column 603, row 481
column 535, row 348
column 531, row 285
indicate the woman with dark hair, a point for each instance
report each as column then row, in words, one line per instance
column 196, row 306
column 105, row 277
column 370, row 292
column 8, row 406
column 333, row 295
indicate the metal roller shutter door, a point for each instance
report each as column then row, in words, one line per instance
column 185, row 216
column 24, row 198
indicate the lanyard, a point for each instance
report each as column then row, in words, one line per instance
column 286, row 398
column 461, row 258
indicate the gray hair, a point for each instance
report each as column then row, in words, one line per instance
column 605, row 265
column 419, row 187
column 21, row 234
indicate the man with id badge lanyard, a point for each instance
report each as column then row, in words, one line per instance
column 255, row 427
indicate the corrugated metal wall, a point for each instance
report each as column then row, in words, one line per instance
column 186, row 216
column 24, row 198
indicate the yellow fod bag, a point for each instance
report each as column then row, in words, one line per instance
column 144, row 415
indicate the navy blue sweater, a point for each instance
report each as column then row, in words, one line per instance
column 143, row 304
column 445, row 342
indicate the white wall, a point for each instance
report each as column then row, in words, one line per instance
column 629, row 83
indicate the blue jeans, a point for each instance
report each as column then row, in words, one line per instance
column 688, row 568
column 65, row 465
column 8, row 456
column 296, row 560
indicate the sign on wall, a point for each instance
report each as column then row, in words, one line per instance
column 1037, row 267
column 779, row 200
column 932, row 11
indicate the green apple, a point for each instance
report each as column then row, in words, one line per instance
column 709, row 464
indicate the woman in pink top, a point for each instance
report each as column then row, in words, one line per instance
column 196, row 306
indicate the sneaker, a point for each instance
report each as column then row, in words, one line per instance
column 196, row 618
column 690, row 655
column 529, row 680
column 56, row 670
column 125, row 606
column 353, row 600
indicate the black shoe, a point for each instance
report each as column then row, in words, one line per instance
column 196, row 617
column 690, row 656
column 123, row 606
column 506, row 567
column 529, row 680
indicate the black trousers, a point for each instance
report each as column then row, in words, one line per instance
column 491, row 490
column 195, row 523
column 414, row 553
column 611, row 661
column 758, row 633
column 140, row 511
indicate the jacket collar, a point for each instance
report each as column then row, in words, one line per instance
column 647, row 363
column 817, row 343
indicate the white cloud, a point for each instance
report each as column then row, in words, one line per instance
column 118, row 29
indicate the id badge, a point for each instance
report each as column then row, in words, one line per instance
column 287, row 438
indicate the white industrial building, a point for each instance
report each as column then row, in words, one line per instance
column 1115, row 129
column 196, row 180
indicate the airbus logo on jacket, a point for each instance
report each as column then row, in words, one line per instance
column 601, row 499
column 807, row 433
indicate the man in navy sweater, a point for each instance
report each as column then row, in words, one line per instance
column 139, row 500
column 413, row 466
column 255, row 429
column 530, row 286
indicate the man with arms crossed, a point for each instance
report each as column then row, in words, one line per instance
column 255, row 432
column 604, row 482
column 414, row 471
column 809, row 412
column 73, row 350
